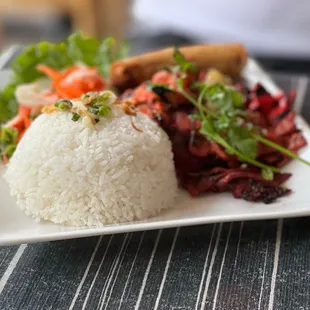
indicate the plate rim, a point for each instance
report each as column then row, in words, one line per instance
column 83, row 232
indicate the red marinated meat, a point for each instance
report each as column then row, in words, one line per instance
column 286, row 125
column 261, row 100
column 182, row 122
column 169, row 79
column 164, row 77
column 273, row 159
column 219, row 151
column 145, row 109
column 238, row 181
column 278, row 112
column 252, row 190
column 200, row 147
column 203, row 166
column 296, row 141
column 273, row 108
column 264, row 150
column 257, row 119
column 184, row 161
column 142, row 95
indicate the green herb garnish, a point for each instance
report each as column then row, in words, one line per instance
column 104, row 111
column 101, row 99
column 223, row 120
column 75, row 117
column 93, row 110
column 210, row 132
column 63, row 105
column 242, row 140
column 99, row 103
column 182, row 63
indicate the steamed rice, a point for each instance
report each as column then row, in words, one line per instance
column 71, row 173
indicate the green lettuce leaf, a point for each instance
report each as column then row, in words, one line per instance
column 8, row 104
column 8, row 141
column 83, row 49
column 54, row 55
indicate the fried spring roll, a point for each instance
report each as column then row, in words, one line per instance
column 130, row 72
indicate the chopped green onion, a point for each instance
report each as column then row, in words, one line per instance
column 103, row 98
column 93, row 111
column 104, row 111
column 63, row 105
column 75, row 117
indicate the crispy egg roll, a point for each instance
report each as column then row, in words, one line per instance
column 227, row 58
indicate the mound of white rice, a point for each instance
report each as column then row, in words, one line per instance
column 66, row 172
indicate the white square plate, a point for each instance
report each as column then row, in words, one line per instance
column 16, row 227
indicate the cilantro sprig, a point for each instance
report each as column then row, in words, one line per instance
column 223, row 120
column 220, row 126
column 182, row 64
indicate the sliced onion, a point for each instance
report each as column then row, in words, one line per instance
column 32, row 94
